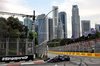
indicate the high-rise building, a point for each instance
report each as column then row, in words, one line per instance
column 50, row 28
column 60, row 31
column 97, row 26
column 75, row 21
column 21, row 22
column 28, row 22
column 42, row 28
column 36, row 27
column 63, row 19
column 85, row 26
column 55, row 21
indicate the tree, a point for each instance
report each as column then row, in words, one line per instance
column 31, row 35
column 94, row 36
column 3, row 27
column 16, row 29
column 11, row 27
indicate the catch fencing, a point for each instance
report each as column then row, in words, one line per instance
column 16, row 46
column 41, row 49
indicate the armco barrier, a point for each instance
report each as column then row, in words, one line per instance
column 77, row 53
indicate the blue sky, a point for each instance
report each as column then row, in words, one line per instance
column 88, row 9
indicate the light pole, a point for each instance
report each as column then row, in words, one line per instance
column 42, row 24
column 34, row 34
column 45, row 17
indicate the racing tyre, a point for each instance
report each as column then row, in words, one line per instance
column 67, row 59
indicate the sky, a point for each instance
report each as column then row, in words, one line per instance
column 88, row 9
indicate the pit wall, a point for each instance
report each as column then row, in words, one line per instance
column 77, row 53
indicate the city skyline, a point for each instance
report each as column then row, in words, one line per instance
column 50, row 29
column 60, row 31
column 75, row 21
column 85, row 26
column 87, row 9
column 42, row 28
column 55, row 21
column 28, row 22
column 97, row 27
column 63, row 19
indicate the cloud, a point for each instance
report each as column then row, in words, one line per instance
column 15, row 6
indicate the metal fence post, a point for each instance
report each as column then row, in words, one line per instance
column 46, row 48
column 95, row 46
column 26, row 46
column 7, row 46
column 88, row 47
column 79, row 47
column 42, row 49
column 83, row 47
column 32, row 48
column 17, row 46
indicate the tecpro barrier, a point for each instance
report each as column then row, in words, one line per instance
column 16, row 58
column 77, row 53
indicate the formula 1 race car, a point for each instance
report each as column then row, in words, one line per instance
column 58, row 59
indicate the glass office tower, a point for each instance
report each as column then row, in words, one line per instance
column 75, row 21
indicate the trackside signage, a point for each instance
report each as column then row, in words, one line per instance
column 77, row 53
column 16, row 58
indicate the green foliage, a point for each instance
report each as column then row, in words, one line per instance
column 31, row 35
column 56, row 40
column 2, row 52
column 65, row 41
column 11, row 27
column 52, row 45
column 68, row 40
column 3, row 27
column 12, row 52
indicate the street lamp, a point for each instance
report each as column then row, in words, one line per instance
column 45, row 17
column 42, row 24
column 33, row 24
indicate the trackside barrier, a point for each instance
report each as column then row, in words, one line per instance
column 41, row 49
column 16, row 58
column 77, row 53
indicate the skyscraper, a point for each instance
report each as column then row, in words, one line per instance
column 55, row 21
column 36, row 27
column 42, row 28
column 62, row 18
column 21, row 22
column 60, row 31
column 97, row 26
column 85, row 26
column 75, row 21
column 28, row 22
column 50, row 28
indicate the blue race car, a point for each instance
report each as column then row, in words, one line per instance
column 58, row 59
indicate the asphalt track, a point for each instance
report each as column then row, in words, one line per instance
column 68, row 63
column 75, row 61
column 52, row 64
